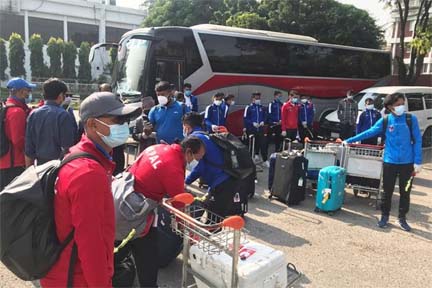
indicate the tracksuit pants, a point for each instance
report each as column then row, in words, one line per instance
column 274, row 135
column 260, row 143
column 390, row 173
column 347, row 131
column 305, row 132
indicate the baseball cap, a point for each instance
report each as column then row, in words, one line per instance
column 106, row 103
column 19, row 83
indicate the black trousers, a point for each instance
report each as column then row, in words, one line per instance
column 305, row 132
column 221, row 199
column 390, row 173
column 291, row 134
column 7, row 175
column 347, row 131
column 260, row 143
column 274, row 135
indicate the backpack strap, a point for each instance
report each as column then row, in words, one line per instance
column 409, row 123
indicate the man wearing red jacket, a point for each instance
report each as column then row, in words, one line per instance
column 159, row 171
column 290, row 116
column 83, row 199
column 12, row 163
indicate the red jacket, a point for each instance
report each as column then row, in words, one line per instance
column 15, row 128
column 84, row 201
column 289, row 116
column 159, row 171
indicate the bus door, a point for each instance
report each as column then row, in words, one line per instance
column 171, row 70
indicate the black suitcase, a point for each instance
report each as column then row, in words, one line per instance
column 272, row 161
column 289, row 182
column 169, row 243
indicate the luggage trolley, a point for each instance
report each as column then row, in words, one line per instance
column 364, row 165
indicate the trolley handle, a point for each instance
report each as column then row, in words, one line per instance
column 321, row 142
column 367, row 146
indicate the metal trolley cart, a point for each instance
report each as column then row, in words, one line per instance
column 321, row 154
column 364, row 165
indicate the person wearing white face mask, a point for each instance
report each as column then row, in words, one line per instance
column 215, row 114
column 166, row 117
column 347, row 111
column 402, row 155
column 367, row 119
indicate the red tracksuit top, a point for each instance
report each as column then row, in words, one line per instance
column 84, row 201
column 15, row 130
column 289, row 116
column 159, row 171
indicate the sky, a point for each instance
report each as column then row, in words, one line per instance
column 374, row 7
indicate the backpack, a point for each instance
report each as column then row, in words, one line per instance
column 238, row 162
column 29, row 246
column 4, row 141
column 408, row 121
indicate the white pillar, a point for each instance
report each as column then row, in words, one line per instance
column 26, row 49
column 26, row 28
column 65, row 29
column 102, row 24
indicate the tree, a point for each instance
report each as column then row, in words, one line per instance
column 248, row 20
column 16, row 55
column 84, row 71
column 54, row 50
column 69, row 56
column 422, row 38
column 3, row 59
column 37, row 64
column 113, row 56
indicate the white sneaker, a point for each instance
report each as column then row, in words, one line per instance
column 267, row 164
column 256, row 158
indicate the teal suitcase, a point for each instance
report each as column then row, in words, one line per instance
column 331, row 189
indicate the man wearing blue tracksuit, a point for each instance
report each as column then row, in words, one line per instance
column 253, row 118
column 224, row 197
column 402, row 156
column 306, row 116
column 215, row 114
column 274, row 120
column 367, row 119
column 191, row 100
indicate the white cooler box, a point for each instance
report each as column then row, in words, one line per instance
column 259, row 266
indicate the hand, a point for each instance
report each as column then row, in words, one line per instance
column 244, row 129
column 283, row 133
column 417, row 168
column 261, row 123
column 304, row 123
column 255, row 124
column 214, row 128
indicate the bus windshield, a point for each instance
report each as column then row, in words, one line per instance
column 131, row 62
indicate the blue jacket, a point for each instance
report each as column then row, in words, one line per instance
column 215, row 115
column 167, row 121
column 367, row 119
column 194, row 101
column 306, row 113
column 274, row 112
column 253, row 113
column 212, row 175
column 398, row 146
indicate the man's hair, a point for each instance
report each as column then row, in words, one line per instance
column 105, row 87
column 179, row 95
column 52, row 88
column 256, row 93
column 193, row 143
column 391, row 99
column 369, row 99
column 187, row 85
column 229, row 97
column 193, row 119
column 163, row 86
column 218, row 94
column 293, row 92
column 277, row 92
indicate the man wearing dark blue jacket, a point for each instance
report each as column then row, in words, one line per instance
column 224, row 197
column 367, row 119
column 402, row 156
column 191, row 100
column 274, row 120
column 253, row 118
column 216, row 113
column 306, row 116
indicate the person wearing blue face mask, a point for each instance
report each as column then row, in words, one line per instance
column 12, row 160
column 191, row 100
column 274, row 120
column 50, row 129
column 367, row 119
column 402, row 155
column 215, row 114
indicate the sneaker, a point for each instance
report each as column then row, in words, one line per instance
column 403, row 224
column 257, row 158
column 383, row 222
column 267, row 164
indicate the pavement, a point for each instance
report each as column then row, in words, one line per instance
column 343, row 250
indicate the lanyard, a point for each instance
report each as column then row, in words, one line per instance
column 102, row 150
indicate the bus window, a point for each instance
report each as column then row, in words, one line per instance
column 171, row 71
column 415, row 101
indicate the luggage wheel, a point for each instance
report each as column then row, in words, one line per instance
column 317, row 210
column 292, row 274
column 330, row 213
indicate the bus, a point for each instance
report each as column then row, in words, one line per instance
column 239, row 61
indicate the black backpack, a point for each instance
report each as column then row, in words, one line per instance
column 28, row 241
column 238, row 162
column 4, row 141
column 408, row 121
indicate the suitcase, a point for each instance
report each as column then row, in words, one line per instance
column 272, row 161
column 289, row 181
column 260, row 266
column 170, row 244
column 331, row 189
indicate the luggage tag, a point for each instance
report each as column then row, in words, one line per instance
column 300, row 182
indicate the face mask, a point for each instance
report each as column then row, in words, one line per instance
column 399, row 110
column 371, row 106
column 191, row 165
column 188, row 93
column 163, row 100
column 217, row 102
column 258, row 102
column 119, row 133
column 294, row 100
column 232, row 102
column 304, row 101
column 185, row 134
column 29, row 99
